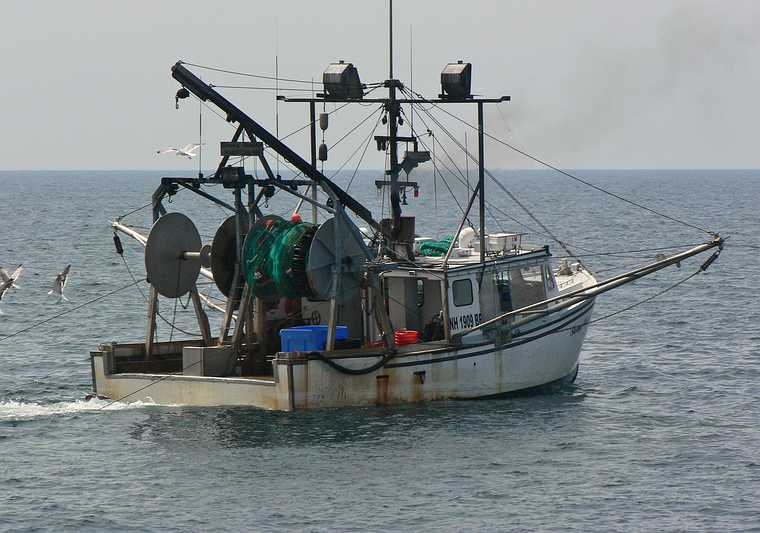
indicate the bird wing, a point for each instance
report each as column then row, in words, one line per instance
column 192, row 147
column 4, row 275
column 65, row 275
column 56, row 286
column 4, row 287
column 17, row 273
column 167, row 151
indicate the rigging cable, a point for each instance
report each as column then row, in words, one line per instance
column 640, row 250
column 562, row 244
column 365, row 119
column 246, row 74
column 365, row 142
column 566, row 173
column 448, row 169
column 264, row 77
column 451, row 192
column 80, row 306
column 461, row 179
column 255, row 88
column 154, row 382
column 490, row 206
column 134, row 211
column 435, row 172
column 117, row 242
column 641, row 302
column 361, row 158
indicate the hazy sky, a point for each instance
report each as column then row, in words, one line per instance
column 595, row 84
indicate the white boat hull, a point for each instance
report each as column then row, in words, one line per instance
column 536, row 356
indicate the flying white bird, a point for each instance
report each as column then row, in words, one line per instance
column 8, row 280
column 4, row 276
column 187, row 151
column 3, row 288
column 60, row 283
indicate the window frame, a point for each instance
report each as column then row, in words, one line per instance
column 454, row 292
column 548, row 277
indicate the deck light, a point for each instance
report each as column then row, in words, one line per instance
column 341, row 81
column 456, row 80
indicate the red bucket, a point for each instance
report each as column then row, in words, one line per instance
column 406, row 336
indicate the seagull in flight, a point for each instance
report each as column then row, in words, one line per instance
column 8, row 280
column 187, row 151
column 4, row 286
column 11, row 278
column 60, row 283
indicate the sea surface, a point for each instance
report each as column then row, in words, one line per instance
column 660, row 432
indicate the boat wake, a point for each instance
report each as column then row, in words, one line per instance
column 14, row 410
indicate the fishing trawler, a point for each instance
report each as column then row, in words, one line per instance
column 349, row 310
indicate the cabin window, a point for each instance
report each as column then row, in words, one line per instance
column 504, row 294
column 462, row 291
column 548, row 276
column 527, row 285
column 420, row 293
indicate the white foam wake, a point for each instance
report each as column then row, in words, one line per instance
column 13, row 410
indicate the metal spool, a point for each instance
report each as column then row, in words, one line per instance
column 224, row 255
column 321, row 259
column 174, row 256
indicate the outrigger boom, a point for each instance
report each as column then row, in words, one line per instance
column 594, row 290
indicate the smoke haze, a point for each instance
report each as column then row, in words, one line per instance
column 595, row 84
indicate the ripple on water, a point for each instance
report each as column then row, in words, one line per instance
column 660, row 432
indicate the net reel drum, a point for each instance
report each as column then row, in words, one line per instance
column 174, row 255
column 224, row 255
column 296, row 259
column 321, row 260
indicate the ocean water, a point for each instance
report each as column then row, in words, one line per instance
column 661, row 431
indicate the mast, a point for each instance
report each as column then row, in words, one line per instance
column 481, row 185
column 390, row 40
column 393, row 117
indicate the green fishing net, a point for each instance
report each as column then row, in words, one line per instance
column 436, row 248
column 274, row 258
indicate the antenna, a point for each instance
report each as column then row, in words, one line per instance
column 277, row 90
column 390, row 40
column 411, row 77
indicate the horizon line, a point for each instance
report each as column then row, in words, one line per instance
column 210, row 171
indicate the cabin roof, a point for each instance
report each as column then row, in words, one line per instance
column 467, row 262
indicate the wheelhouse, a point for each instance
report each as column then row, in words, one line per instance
column 439, row 302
